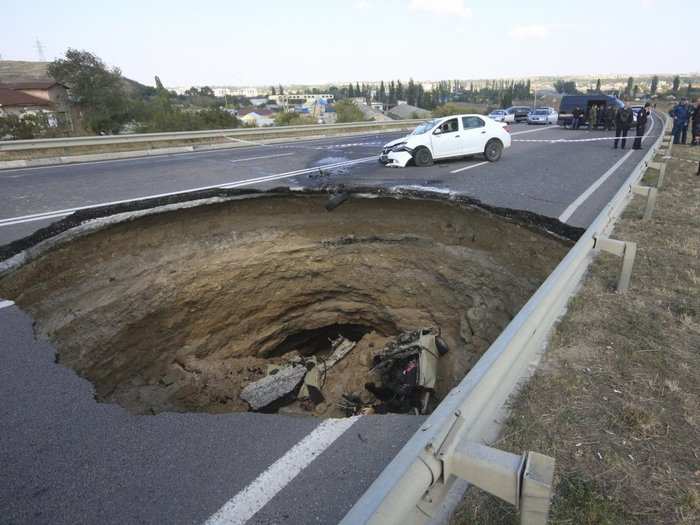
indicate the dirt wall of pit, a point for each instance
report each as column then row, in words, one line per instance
column 180, row 310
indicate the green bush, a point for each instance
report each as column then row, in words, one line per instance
column 347, row 111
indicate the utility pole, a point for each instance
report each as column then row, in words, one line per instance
column 40, row 50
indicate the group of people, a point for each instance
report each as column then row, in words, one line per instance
column 683, row 115
column 597, row 117
column 623, row 119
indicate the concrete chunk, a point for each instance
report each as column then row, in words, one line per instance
column 272, row 387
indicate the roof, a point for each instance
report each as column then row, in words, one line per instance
column 258, row 111
column 23, row 71
column 10, row 97
column 405, row 111
column 31, row 84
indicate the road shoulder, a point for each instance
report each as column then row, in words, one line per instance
column 616, row 400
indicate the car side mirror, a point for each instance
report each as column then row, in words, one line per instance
column 437, row 131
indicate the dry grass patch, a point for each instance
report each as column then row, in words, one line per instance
column 617, row 398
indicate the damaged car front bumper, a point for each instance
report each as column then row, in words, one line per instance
column 396, row 156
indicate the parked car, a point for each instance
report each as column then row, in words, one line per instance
column 448, row 137
column 571, row 102
column 519, row 112
column 542, row 116
column 501, row 115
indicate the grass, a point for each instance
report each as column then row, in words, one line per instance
column 616, row 400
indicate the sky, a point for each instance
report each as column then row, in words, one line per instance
column 328, row 41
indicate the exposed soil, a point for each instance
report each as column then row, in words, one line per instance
column 179, row 311
column 616, row 400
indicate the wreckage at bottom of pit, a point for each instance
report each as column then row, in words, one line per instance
column 400, row 378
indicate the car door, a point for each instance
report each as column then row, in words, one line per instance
column 474, row 135
column 446, row 139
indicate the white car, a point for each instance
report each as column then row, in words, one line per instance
column 542, row 116
column 501, row 115
column 448, row 137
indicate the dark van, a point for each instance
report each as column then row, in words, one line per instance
column 571, row 102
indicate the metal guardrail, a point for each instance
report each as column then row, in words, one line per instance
column 413, row 486
column 17, row 145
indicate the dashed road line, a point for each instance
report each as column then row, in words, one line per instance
column 469, row 167
column 255, row 496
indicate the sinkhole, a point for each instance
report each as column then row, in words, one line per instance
column 185, row 309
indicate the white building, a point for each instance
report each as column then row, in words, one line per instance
column 301, row 99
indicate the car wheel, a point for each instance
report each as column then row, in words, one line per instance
column 422, row 157
column 493, row 150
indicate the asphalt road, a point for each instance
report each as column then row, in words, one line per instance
column 66, row 459
column 542, row 177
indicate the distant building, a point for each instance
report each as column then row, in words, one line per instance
column 301, row 99
column 259, row 101
column 14, row 102
column 406, row 111
column 256, row 117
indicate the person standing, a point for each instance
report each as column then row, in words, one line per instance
column 642, row 117
column 609, row 113
column 576, row 120
column 680, row 114
column 593, row 118
column 696, row 124
column 623, row 123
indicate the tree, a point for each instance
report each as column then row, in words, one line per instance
column 597, row 86
column 206, row 91
column 351, row 90
column 654, row 85
column 98, row 92
column 676, row 83
column 382, row 93
column 566, row 87
column 348, row 111
column 635, row 91
column 272, row 90
column 281, row 90
column 690, row 88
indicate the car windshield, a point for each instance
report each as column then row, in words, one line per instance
column 425, row 127
column 498, row 112
column 541, row 112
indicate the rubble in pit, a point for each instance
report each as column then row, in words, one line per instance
column 398, row 377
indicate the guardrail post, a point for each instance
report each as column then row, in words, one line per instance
column 661, row 166
column 524, row 481
column 650, row 193
column 626, row 250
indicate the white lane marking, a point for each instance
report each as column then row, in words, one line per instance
column 255, row 496
column 568, row 212
column 261, row 157
column 469, row 167
column 60, row 213
column 5, row 304
column 535, row 130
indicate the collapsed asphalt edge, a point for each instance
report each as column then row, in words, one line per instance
column 37, row 241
